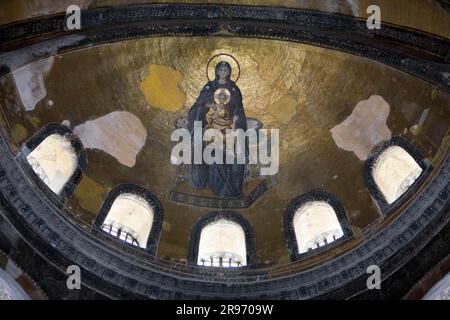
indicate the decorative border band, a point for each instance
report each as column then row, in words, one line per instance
column 419, row 54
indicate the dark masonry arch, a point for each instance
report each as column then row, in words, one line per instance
column 150, row 198
column 75, row 142
column 402, row 250
column 375, row 191
column 250, row 243
column 297, row 203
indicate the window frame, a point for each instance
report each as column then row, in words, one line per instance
column 150, row 198
column 203, row 221
column 373, row 188
column 120, row 234
column 81, row 167
column 295, row 205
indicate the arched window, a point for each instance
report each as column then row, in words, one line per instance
column 56, row 156
column 392, row 170
column 222, row 239
column 313, row 222
column 130, row 218
column 54, row 161
column 440, row 291
column 133, row 215
column 10, row 288
column 222, row 244
column 315, row 225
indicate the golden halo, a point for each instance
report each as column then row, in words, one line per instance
column 222, row 96
column 235, row 67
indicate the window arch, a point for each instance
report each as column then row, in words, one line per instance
column 10, row 288
column 393, row 171
column 440, row 291
column 314, row 222
column 222, row 239
column 57, row 158
column 222, row 243
column 133, row 215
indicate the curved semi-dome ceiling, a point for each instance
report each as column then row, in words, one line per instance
column 123, row 99
column 86, row 119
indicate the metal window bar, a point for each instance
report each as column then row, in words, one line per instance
column 120, row 234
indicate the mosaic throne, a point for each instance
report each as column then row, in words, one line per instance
column 254, row 185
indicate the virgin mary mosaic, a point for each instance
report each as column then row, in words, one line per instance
column 219, row 106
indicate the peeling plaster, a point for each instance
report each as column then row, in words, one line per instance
column 19, row 58
column 120, row 134
column 446, row 76
column 161, row 88
column 335, row 6
column 29, row 81
column 364, row 128
column 20, row 9
column 354, row 5
column 416, row 128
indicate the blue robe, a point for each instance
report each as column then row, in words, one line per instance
column 225, row 180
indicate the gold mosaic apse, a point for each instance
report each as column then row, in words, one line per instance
column 303, row 91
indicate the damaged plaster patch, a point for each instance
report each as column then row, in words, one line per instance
column 354, row 5
column 161, row 88
column 29, row 81
column 446, row 76
column 415, row 129
column 364, row 128
column 120, row 134
column 336, row 6
column 15, row 59
column 41, row 8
